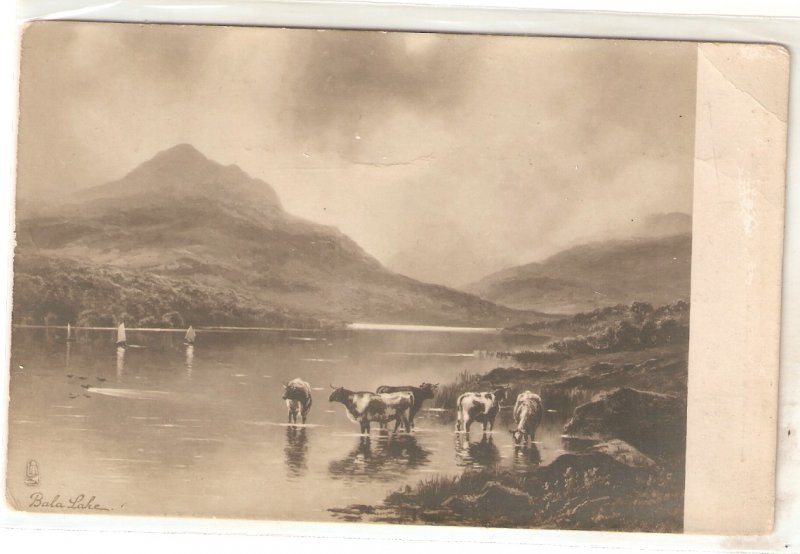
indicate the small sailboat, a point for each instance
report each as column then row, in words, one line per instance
column 190, row 334
column 122, row 341
column 69, row 333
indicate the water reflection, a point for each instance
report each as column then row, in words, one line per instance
column 476, row 454
column 295, row 451
column 189, row 359
column 525, row 457
column 120, row 363
column 66, row 361
column 388, row 457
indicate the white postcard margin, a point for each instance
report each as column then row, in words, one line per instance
column 737, row 254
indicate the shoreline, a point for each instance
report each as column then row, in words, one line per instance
column 421, row 328
column 345, row 327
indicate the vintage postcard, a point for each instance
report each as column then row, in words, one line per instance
column 397, row 278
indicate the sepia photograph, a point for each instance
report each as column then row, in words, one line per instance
column 352, row 276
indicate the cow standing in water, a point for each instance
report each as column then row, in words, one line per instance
column 528, row 412
column 424, row 392
column 481, row 407
column 366, row 407
column 297, row 394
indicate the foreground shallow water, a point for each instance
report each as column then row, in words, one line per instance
column 170, row 430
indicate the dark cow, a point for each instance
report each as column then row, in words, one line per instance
column 366, row 407
column 297, row 394
column 424, row 392
column 528, row 412
column 478, row 406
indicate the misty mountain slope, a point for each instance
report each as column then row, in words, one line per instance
column 590, row 276
column 190, row 221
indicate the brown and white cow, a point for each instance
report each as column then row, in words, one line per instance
column 425, row 391
column 297, row 394
column 528, row 411
column 481, row 407
column 366, row 407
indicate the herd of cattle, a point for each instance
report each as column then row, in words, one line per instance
column 401, row 404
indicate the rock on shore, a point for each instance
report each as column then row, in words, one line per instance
column 653, row 423
column 611, row 486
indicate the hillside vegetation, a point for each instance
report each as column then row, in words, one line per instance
column 613, row 329
column 54, row 292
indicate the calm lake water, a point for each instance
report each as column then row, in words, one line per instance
column 166, row 430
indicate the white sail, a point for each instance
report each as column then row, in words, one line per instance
column 121, row 334
column 190, row 334
column 69, row 332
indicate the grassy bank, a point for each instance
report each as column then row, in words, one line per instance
column 574, row 492
column 659, row 369
column 637, row 346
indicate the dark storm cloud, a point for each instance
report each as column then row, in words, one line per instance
column 345, row 81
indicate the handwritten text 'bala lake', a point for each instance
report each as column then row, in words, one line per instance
column 79, row 502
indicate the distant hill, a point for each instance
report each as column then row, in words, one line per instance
column 182, row 239
column 590, row 276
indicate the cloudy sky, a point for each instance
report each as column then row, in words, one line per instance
column 447, row 157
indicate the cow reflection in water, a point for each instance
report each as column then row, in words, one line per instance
column 476, row 454
column 296, row 450
column 383, row 458
column 526, row 457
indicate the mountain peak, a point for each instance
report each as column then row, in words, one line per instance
column 180, row 157
column 182, row 150
column 183, row 171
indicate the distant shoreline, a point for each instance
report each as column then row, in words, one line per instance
column 433, row 328
column 349, row 327
column 174, row 330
